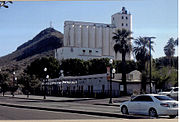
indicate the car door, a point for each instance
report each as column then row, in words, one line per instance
column 133, row 105
column 145, row 104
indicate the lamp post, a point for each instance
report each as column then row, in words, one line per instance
column 47, row 76
column 61, row 76
column 14, row 79
column 110, row 85
column 150, row 82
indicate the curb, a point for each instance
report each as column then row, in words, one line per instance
column 73, row 111
column 116, row 105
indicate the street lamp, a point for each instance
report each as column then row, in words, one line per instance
column 14, row 79
column 45, row 81
column 150, row 82
column 110, row 62
column 61, row 76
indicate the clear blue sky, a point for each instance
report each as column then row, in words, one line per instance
column 23, row 20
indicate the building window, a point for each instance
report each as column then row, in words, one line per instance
column 84, row 51
column 103, row 87
column 113, row 18
column 126, row 17
column 122, row 17
column 90, row 51
column 82, row 89
column 131, row 76
column 126, row 24
column 122, row 24
column 91, row 89
column 96, row 51
column 71, row 49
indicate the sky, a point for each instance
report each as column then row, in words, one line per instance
column 25, row 19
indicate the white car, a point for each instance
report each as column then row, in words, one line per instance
column 153, row 105
column 173, row 92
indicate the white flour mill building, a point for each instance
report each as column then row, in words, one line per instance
column 87, row 40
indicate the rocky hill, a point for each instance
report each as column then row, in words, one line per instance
column 41, row 45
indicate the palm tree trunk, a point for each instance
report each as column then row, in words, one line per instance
column 116, row 63
column 124, row 72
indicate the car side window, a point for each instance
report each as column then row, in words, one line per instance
column 138, row 98
column 148, row 99
column 143, row 99
column 176, row 89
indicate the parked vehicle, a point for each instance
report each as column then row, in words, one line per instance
column 173, row 92
column 153, row 105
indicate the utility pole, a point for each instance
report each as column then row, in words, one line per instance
column 150, row 81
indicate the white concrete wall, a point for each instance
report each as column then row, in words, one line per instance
column 85, row 36
column 105, row 44
column 66, row 39
column 96, row 81
column 99, row 37
column 77, row 36
column 122, row 21
column 91, row 37
column 80, row 53
column 72, row 42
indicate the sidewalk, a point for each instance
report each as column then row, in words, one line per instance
column 93, row 101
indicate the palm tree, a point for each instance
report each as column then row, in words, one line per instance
column 169, row 49
column 141, row 53
column 123, row 46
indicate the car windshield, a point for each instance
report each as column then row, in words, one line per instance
column 161, row 98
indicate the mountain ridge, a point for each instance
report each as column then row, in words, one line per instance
column 42, row 45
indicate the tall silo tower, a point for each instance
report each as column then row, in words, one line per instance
column 122, row 20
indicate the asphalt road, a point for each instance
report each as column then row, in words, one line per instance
column 11, row 113
column 16, row 113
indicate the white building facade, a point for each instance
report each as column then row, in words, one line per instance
column 86, row 40
column 93, row 85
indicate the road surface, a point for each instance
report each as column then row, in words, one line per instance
column 11, row 113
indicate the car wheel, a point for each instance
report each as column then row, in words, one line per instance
column 124, row 110
column 172, row 116
column 152, row 112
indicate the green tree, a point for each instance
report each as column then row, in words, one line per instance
column 123, row 45
column 164, row 61
column 28, row 83
column 37, row 68
column 164, row 77
column 74, row 67
column 4, row 82
column 141, row 53
column 130, row 66
column 169, row 49
column 98, row 66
